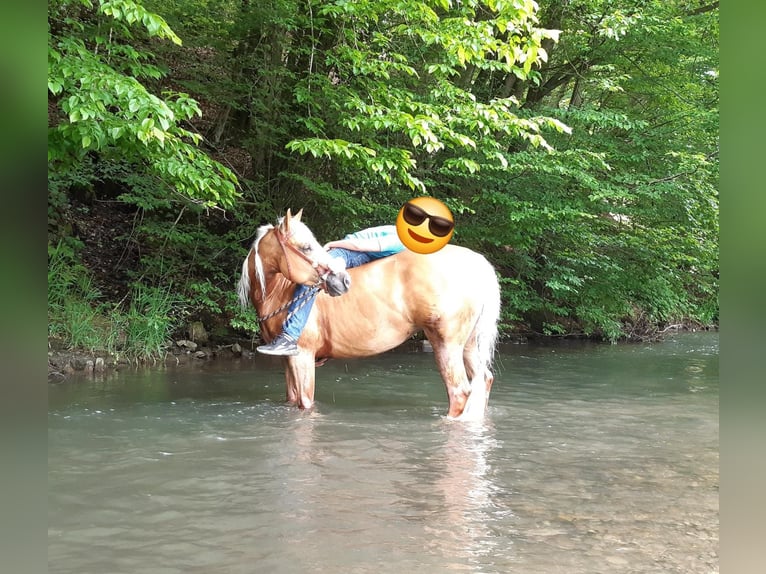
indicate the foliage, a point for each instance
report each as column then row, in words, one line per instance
column 149, row 321
column 94, row 76
column 576, row 142
column 397, row 109
column 72, row 299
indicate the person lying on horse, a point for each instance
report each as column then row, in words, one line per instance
column 354, row 249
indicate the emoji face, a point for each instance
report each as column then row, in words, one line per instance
column 424, row 225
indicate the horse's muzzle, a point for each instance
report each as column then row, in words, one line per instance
column 337, row 283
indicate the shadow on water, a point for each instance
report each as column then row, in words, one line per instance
column 593, row 458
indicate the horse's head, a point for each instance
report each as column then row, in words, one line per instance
column 303, row 260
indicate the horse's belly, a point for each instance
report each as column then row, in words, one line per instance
column 367, row 342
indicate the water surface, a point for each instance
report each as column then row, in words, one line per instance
column 592, row 458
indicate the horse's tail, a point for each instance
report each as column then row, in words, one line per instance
column 486, row 326
column 243, row 287
column 485, row 334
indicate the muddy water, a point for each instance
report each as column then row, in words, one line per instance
column 592, row 458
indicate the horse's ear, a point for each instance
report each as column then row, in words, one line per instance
column 285, row 226
column 288, row 218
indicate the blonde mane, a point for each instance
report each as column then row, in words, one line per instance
column 243, row 288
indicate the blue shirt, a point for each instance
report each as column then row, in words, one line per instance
column 387, row 237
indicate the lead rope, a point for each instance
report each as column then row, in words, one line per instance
column 310, row 292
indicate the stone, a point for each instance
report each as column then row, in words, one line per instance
column 197, row 332
column 188, row 345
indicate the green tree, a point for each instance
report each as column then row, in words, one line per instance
column 94, row 79
column 111, row 135
column 575, row 141
column 617, row 230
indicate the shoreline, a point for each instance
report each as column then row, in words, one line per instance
column 66, row 363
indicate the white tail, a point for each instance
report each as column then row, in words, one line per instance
column 485, row 332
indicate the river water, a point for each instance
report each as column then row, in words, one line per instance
column 592, row 458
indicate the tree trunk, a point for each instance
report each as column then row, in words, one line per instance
column 550, row 20
column 228, row 114
column 509, row 85
column 577, row 93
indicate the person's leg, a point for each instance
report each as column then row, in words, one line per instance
column 352, row 258
column 298, row 312
column 286, row 343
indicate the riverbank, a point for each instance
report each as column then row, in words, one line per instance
column 64, row 363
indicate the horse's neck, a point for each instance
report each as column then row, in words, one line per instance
column 278, row 293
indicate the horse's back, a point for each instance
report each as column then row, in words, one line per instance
column 449, row 261
column 452, row 282
column 453, row 271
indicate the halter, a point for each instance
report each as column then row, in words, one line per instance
column 320, row 270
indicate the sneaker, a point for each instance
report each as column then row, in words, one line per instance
column 283, row 345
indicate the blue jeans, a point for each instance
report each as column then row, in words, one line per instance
column 297, row 319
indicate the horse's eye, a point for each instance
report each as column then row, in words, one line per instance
column 305, row 248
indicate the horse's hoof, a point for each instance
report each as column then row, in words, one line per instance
column 306, row 403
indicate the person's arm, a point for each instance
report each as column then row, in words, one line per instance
column 356, row 244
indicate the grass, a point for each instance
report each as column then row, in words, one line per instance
column 78, row 318
column 149, row 321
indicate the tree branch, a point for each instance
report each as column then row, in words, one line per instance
column 709, row 156
column 703, row 9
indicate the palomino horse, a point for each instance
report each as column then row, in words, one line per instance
column 452, row 295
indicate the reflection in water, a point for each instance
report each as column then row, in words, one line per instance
column 592, row 459
column 463, row 532
column 368, row 493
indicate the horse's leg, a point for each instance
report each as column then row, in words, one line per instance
column 449, row 361
column 300, row 371
column 471, row 358
column 291, row 384
column 480, row 379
